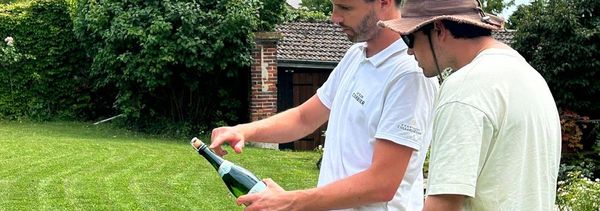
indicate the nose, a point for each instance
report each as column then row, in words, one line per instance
column 410, row 51
column 336, row 19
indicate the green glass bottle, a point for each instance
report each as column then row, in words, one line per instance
column 237, row 179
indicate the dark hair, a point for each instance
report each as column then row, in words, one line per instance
column 465, row 30
column 426, row 29
column 398, row 3
column 459, row 30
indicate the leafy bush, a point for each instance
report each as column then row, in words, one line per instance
column 271, row 12
column 53, row 86
column 303, row 14
column 578, row 192
column 9, row 54
column 561, row 39
column 578, row 132
column 8, row 57
column 171, row 65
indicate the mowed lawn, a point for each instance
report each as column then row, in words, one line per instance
column 79, row 166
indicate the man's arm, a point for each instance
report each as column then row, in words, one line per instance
column 289, row 125
column 378, row 183
column 444, row 202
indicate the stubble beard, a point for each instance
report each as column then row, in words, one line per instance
column 366, row 30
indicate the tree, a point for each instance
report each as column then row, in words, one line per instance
column 496, row 6
column 561, row 38
column 272, row 12
column 323, row 6
column 172, row 65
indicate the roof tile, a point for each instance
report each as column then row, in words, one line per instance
column 326, row 42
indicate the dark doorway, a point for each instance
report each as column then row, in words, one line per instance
column 294, row 87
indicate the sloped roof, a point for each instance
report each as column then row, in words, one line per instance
column 506, row 36
column 324, row 44
column 321, row 42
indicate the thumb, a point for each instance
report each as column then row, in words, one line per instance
column 246, row 199
column 238, row 146
column 272, row 185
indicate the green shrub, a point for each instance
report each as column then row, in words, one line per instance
column 303, row 14
column 561, row 39
column 170, row 65
column 54, row 85
column 578, row 192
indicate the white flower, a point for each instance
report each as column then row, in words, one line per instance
column 9, row 41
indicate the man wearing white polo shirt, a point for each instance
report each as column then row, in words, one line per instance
column 379, row 107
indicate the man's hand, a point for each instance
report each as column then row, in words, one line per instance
column 230, row 135
column 273, row 198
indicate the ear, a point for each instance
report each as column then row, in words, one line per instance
column 385, row 3
column 440, row 31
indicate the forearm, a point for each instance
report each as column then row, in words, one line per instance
column 444, row 202
column 358, row 190
column 282, row 127
column 378, row 183
column 289, row 125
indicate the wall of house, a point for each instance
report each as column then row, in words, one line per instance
column 263, row 76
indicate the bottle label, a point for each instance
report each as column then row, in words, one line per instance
column 258, row 187
column 225, row 167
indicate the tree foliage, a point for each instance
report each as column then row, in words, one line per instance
column 325, row 7
column 271, row 13
column 560, row 38
column 322, row 6
column 53, row 85
column 181, row 62
column 496, row 6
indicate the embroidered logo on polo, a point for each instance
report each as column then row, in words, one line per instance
column 412, row 128
column 358, row 97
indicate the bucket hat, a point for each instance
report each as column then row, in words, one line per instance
column 418, row 13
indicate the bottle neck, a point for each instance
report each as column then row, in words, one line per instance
column 212, row 158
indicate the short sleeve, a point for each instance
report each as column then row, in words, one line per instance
column 407, row 110
column 326, row 92
column 456, row 150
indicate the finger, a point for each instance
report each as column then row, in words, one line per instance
column 246, row 199
column 272, row 185
column 216, row 142
column 214, row 134
column 216, row 147
column 269, row 182
column 219, row 150
column 238, row 146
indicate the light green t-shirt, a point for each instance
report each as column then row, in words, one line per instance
column 497, row 136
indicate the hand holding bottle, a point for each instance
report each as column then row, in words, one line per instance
column 237, row 179
column 274, row 197
column 230, row 135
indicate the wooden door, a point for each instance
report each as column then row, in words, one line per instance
column 303, row 84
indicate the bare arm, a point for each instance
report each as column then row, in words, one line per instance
column 289, row 125
column 444, row 202
column 376, row 184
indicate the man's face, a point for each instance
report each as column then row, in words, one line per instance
column 357, row 18
column 422, row 52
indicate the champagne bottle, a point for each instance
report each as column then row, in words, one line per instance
column 237, row 179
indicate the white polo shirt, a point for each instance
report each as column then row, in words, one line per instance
column 385, row 96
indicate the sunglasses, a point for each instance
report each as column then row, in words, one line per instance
column 409, row 40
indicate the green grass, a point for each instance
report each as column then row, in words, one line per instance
column 79, row 166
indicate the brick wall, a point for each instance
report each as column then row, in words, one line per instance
column 263, row 76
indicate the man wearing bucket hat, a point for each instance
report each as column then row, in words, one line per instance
column 379, row 108
column 497, row 134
